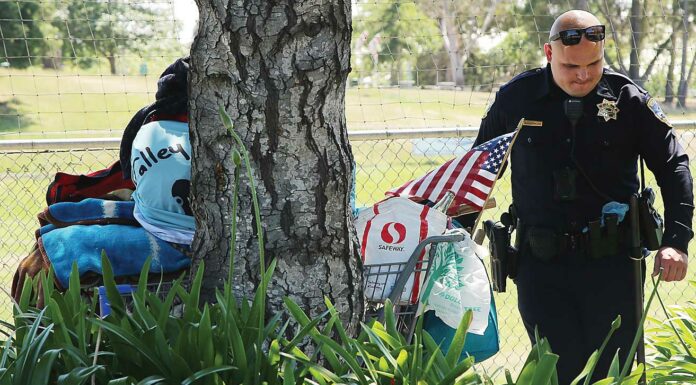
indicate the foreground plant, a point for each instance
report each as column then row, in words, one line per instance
column 234, row 341
column 674, row 344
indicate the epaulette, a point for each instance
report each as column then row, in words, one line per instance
column 523, row 75
column 618, row 80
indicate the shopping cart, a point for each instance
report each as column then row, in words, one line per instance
column 388, row 281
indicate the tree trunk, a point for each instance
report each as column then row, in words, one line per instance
column 637, row 34
column 112, row 63
column 582, row 4
column 669, row 82
column 682, row 88
column 279, row 69
column 452, row 44
column 395, row 71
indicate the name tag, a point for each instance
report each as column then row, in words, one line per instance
column 533, row 123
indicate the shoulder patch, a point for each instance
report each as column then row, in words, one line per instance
column 654, row 106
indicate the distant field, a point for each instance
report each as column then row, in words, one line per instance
column 40, row 102
column 46, row 103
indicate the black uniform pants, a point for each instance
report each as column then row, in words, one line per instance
column 573, row 301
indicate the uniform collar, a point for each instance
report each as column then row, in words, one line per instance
column 603, row 89
column 549, row 87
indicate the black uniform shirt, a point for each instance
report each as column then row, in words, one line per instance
column 607, row 152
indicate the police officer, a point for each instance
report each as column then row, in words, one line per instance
column 586, row 127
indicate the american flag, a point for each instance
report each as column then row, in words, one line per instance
column 470, row 176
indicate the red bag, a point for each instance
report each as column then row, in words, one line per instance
column 74, row 188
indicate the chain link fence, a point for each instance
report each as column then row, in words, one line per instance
column 387, row 162
column 81, row 68
column 385, row 159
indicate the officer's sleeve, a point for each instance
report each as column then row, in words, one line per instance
column 663, row 155
column 493, row 123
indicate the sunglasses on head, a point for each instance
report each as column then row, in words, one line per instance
column 573, row 36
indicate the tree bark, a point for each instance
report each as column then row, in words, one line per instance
column 279, row 69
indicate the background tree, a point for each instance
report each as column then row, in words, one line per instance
column 404, row 34
column 90, row 30
column 669, row 76
column 639, row 33
column 21, row 37
column 280, row 69
column 687, row 61
column 461, row 24
column 52, row 50
column 627, row 26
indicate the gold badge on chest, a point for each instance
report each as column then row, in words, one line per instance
column 608, row 110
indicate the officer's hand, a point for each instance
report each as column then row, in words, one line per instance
column 673, row 262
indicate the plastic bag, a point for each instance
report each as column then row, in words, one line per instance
column 458, row 282
column 388, row 235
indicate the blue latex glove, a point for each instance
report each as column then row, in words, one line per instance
column 613, row 207
column 620, row 209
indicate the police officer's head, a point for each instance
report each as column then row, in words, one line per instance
column 576, row 52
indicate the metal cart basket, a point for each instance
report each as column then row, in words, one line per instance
column 405, row 311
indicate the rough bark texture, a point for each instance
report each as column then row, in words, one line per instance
column 279, row 68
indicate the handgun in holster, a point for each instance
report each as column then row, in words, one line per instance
column 650, row 221
column 503, row 255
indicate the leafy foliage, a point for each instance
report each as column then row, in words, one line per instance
column 21, row 38
column 170, row 337
column 674, row 344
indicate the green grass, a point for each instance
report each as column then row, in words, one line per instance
column 374, row 108
column 41, row 103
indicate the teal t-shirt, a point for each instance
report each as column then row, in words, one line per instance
column 161, row 171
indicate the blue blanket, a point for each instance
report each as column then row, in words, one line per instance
column 89, row 211
column 127, row 247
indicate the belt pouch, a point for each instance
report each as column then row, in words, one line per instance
column 543, row 243
column 595, row 239
column 611, row 240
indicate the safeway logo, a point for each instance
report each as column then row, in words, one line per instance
column 393, row 232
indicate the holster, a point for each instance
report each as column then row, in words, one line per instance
column 650, row 221
column 503, row 255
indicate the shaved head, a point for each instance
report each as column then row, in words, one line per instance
column 573, row 19
column 576, row 68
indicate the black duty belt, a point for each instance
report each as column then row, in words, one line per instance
column 548, row 244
